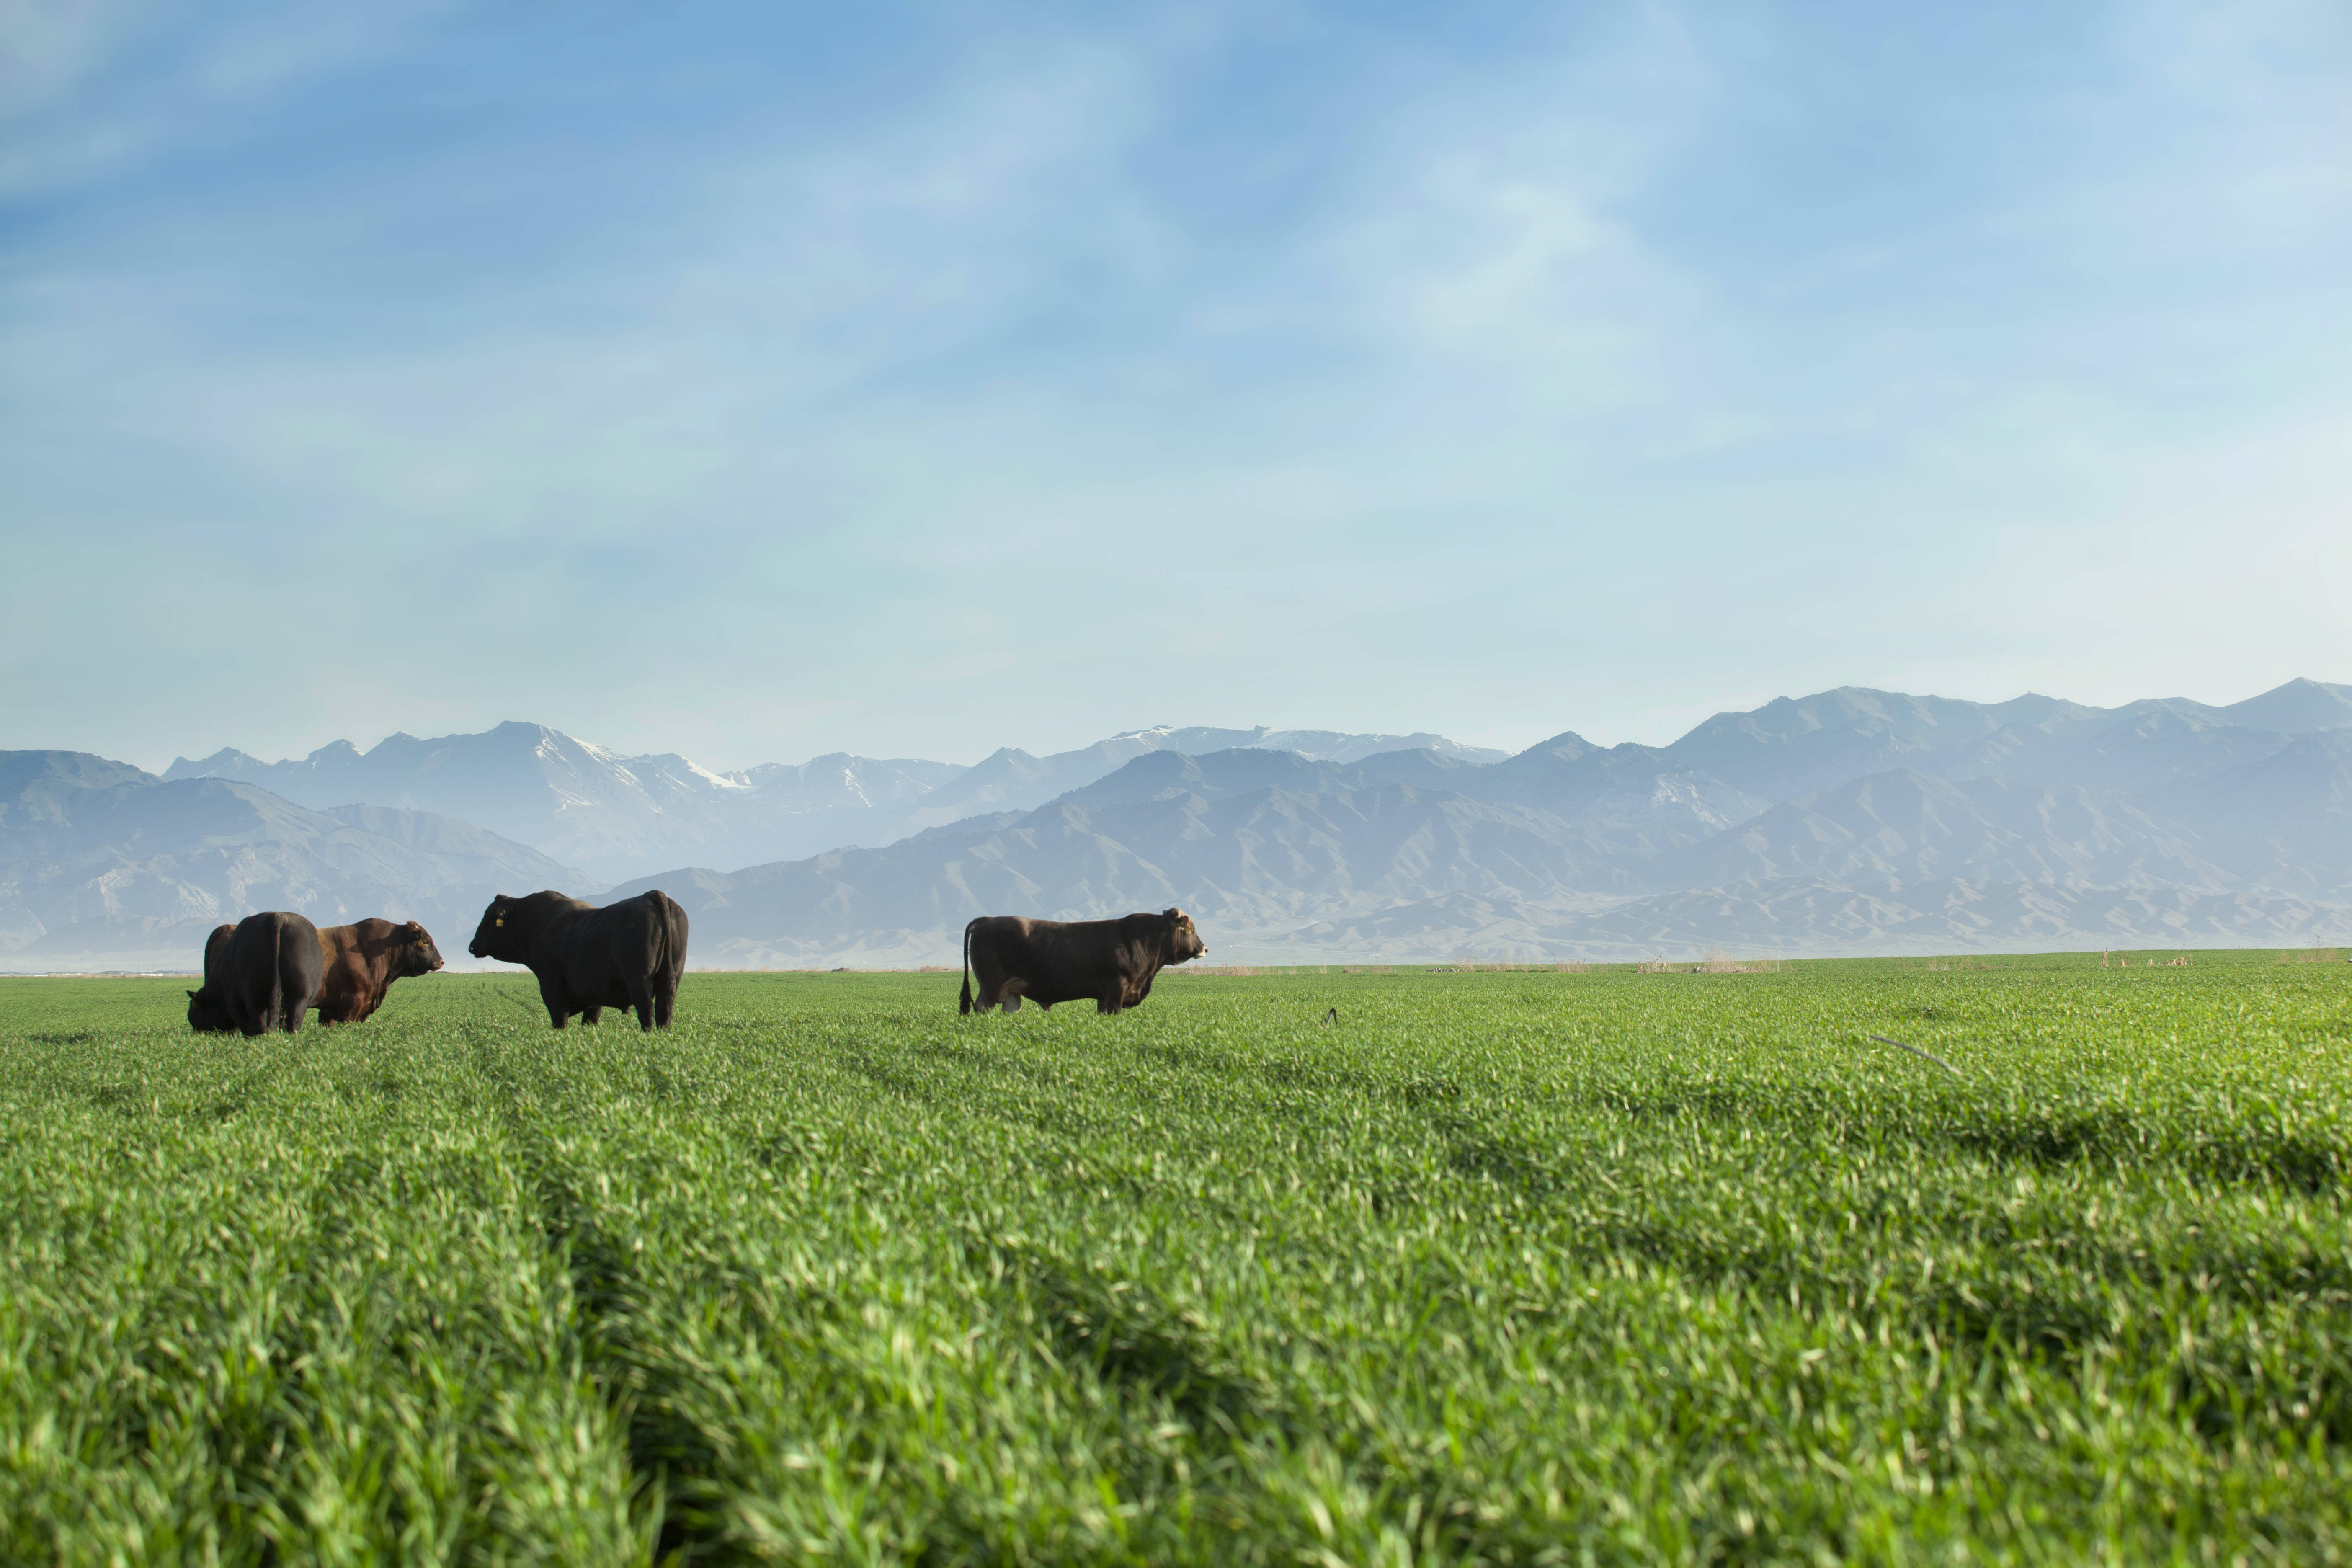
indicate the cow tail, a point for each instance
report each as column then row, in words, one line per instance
column 963, row 1003
column 274, row 1017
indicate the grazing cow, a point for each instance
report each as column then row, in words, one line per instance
column 208, row 1009
column 627, row 954
column 1108, row 962
column 364, row 959
column 263, row 973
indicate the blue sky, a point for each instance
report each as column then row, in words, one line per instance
column 763, row 381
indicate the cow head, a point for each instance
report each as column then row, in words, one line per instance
column 494, row 938
column 417, row 954
column 1184, row 943
column 206, row 1014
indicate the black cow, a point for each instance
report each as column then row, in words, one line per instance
column 262, row 974
column 1108, row 962
column 208, row 1009
column 627, row 954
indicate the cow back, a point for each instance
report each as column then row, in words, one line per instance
column 274, row 966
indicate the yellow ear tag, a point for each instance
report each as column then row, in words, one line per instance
column 499, row 921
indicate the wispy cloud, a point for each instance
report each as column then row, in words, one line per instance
column 90, row 88
column 767, row 387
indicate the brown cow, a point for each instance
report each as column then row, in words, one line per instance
column 364, row 959
column 1111, row 962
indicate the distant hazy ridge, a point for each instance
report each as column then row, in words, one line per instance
column 1849, row 821
column 103, row 866
column 615, row 817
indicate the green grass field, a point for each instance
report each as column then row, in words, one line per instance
column 1506, row 1268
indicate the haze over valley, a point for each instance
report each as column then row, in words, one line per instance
column 1849, row 821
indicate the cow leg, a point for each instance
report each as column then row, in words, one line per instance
column 641, row 998
column 591, row 1015
column 559, row 1005
column 1110, row 1000
column 664, row 996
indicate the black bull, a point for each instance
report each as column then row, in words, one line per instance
column 260, row 975
column 1108, row 962
column 627, row 954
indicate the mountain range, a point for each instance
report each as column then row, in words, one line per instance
column 103, row 866
column 1850, row 820
column 613, row 817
